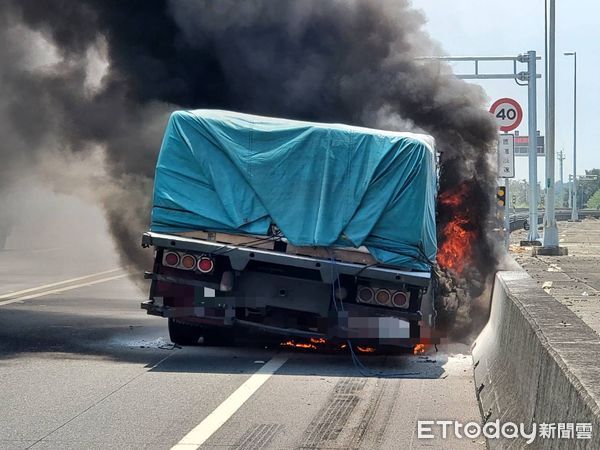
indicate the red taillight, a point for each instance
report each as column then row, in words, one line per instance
column 205, row 265
column 171, row 259
column 400, row 299
column 188, row 262
column 365, row 294
column 383, row 296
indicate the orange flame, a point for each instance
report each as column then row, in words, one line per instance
column 457, row 241
column 311, row 344
column 456, row 248
column 419, row 349
column 315, row 343
column 292, row 343
column 453, row 197
column 365, row 349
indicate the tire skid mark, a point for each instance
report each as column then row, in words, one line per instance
column 258, row 437
column 367, row 419
column 330, row 420
column 373, row 427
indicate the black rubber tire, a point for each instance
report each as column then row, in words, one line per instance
column 182, row 333
column 218, row 336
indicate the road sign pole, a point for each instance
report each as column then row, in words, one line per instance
column 532, row 126
column 507, row 214
column 506, row 169
column 550, row 227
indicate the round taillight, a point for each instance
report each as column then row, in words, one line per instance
column 365, row 294
column 188, row 262
column 171, row 259
column 383, row 296
column 205, row 265
column 400, row 299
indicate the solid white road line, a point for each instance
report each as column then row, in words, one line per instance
column 44, row 250
column 225, row 410
column 56, row 291
column 58, row 283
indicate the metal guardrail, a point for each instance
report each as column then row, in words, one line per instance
column 518, row 219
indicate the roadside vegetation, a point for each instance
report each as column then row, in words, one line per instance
column 594, row 201
column 588, row 189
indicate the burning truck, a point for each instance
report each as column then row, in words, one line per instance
column 298, row 229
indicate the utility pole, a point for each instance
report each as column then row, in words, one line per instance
column 550, row 240
column 574, row 211
column 561, row 158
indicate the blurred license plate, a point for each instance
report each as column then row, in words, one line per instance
column 378, row 328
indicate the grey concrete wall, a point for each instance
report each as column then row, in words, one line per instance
column 536, row 362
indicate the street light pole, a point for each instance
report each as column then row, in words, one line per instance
column 550, row 240
column 532, row 127
column 574, row 211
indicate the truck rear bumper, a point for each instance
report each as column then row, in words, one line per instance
column 356, row 322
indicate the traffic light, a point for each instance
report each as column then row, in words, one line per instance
column 501, row 196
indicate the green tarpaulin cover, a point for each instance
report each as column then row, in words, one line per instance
column 320, row 184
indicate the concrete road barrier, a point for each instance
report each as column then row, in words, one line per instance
column 537, row 363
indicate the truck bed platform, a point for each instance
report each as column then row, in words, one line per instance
column 313, row 258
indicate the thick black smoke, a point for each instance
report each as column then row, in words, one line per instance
column 349, row 61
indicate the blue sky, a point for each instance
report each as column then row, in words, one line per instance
column 510, row 27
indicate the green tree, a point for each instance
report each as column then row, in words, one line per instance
column 587, row 188
column 594, row 201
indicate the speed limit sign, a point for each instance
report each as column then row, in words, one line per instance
column 508, row 114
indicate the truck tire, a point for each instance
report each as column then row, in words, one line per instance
column 182, row 333
column 218, row 336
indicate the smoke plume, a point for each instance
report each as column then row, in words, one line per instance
column 78, row 75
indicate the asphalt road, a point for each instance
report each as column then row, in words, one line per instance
column 81, row 366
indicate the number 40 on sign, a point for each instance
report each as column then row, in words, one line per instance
column 508, row 114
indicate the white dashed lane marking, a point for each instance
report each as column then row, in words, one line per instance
column 216, row 419
column 59, row 286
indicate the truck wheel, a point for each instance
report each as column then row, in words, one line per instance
column 182, row 333
column 218, row 337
